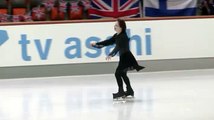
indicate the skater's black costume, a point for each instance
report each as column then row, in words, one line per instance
column 126, row 61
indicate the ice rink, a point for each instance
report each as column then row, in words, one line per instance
column 172, row 95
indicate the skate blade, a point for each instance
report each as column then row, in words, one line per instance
column 129, row 98
column 119, row 100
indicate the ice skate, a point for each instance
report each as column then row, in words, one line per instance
column 129, row 94
column 119, row 97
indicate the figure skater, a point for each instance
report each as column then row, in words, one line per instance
column 126, row 59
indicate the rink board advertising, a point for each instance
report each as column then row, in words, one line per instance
column 47, row 44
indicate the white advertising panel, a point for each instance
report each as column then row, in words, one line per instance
column 69, row 43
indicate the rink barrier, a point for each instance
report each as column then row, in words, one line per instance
column 203, row 62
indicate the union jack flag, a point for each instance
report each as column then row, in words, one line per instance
column 16, row 18
column 86, row 4
column 38, row 13
column 114, row 8
column 27, row 17
column 49, row 4
column 62, row 6
column 4, row 18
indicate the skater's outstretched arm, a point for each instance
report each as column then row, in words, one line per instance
column 104, row 43
column 110, row 41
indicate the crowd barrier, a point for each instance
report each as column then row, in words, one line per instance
column 63, row 47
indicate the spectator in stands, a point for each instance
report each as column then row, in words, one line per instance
column 207, row 7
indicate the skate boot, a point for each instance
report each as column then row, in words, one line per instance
column 129, row 92
column 119, row 95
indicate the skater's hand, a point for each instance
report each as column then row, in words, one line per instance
column 108, row 58
column 93, row 44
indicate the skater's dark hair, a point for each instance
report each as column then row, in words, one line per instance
column 122, row 24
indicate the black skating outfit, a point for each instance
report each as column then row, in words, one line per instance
column 126, row 62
